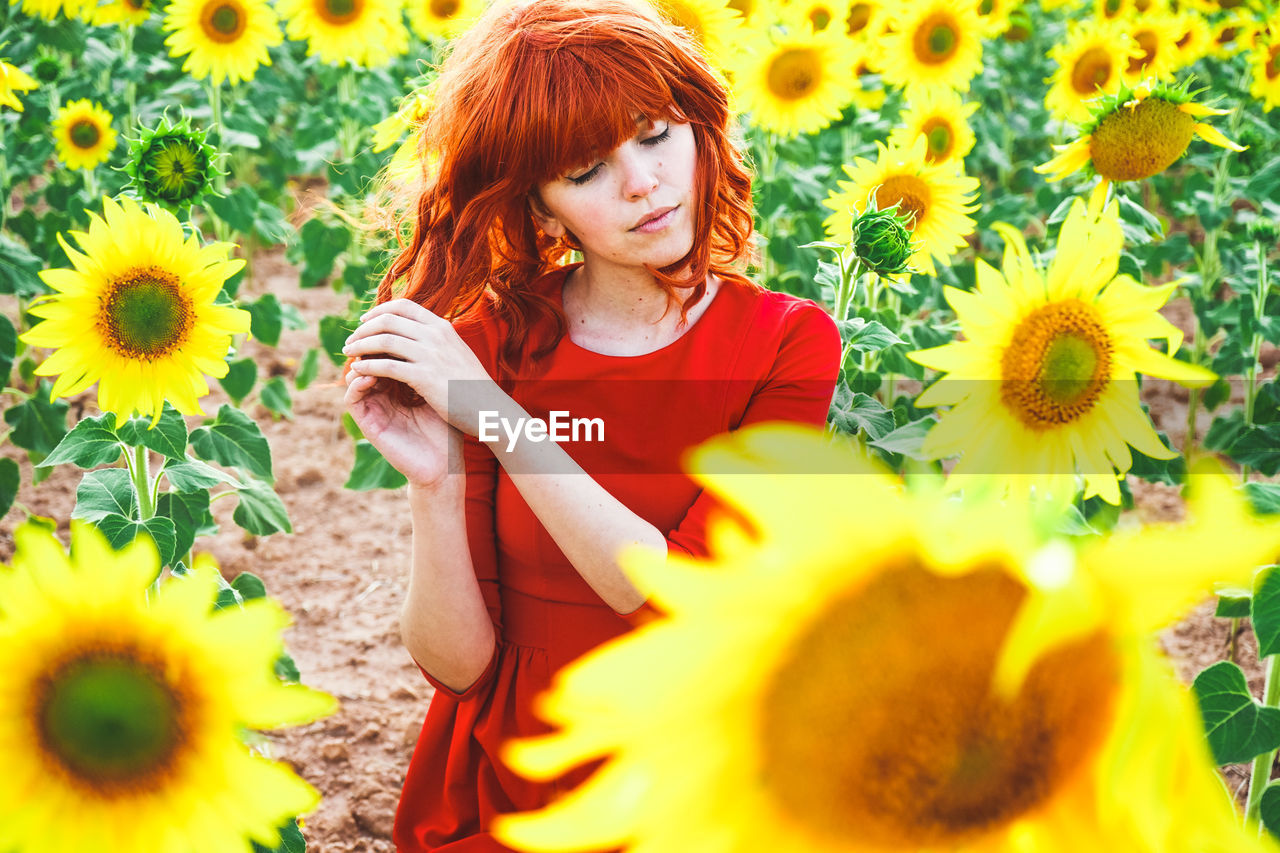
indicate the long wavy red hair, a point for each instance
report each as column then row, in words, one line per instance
column 531, row 91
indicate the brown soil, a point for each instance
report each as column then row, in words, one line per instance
column 342, row 575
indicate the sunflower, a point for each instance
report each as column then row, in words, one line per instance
column 131, row 12
column 1157, row 38
column 713, row 24
column 1117, row 10
column 1090, row 62
column 49, row 9
column 126, row 715
column 1196, row 38
column 226, row 39
column 938, row 195
column 892, row 689
column 1235, row 32
column 797, row 82
column 755, row 14
column 867, row 20
column 1264, row 61
column 819, row 14
column 1044, row 385
column 13, row 79
column 442, row 18
column 137, row 313
column 172, row 164
column 933, row 43
column 83, row 135
column 1135, row 134
column 365, row 33
column 995, row 15
column 412, row 113
column 940, row 116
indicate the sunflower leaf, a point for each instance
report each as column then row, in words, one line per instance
column 275, row 396
column 372, row 471
column 867, row 335
column 307, row 369
column 1265, row 612
column 120, row 531
column 38, row 423
column 260, row 510
column 907, row 439
column 189, row 512
column 91, row 442
column 232, row 438
column 1237, row 725
column 1269, row 809
column 192, row 475
column 1264, row 498
column 168, row 437
column 108, row 491
column 8, row 348
column 266, row 320
column 240, row 379
column 10, row 482
column 861, row 413
column 1233, row 603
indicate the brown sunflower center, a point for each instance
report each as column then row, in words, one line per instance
column 223, row 21
column 936, row 39
column 84, row 133
column 1142, row 5
column 820, row 18
column 1057, row 365
column 137, row 5
column 902, row 745
column 909, row 192
column 1227, row 35
column 940, row 137
column 986, row 7
column 1136, row 142
column 1091, row 71
column 111, row 720
column 1111, row 8
column 443, row 10
column 1273, row 64
column 794, row 73
column 339, row 12
column 145, row 314
column 1150, row 44
column 859, row 17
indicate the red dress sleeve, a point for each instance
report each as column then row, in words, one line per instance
column 798, row 388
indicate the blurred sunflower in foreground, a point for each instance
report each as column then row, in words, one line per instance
column 1044, row 386
column 137, row 313
column 82, row 135
column 938, row 197
column 1264, row 60
column 13, row 79
column 1135, row 134
column 121, row 719
column 917, row 674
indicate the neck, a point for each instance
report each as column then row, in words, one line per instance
column 631, row 298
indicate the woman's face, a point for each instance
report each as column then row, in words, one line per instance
column 632, row 207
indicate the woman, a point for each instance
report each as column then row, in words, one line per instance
column 559, row 126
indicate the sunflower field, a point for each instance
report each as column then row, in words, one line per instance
column 1047, row 231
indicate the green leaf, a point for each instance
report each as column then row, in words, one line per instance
column 121, row 530
column 236, row 208
column 105, row 492
column 1269, row 809
column 10, row 482
column 308, row 369
column 287, row 670
column 38, row 424
column 862, row 413
column 1265, row 612
column 372, row 471
column 350, row 426
column 233, row 439
column 275, row 396
column 1264, row 498
column 334, row 331
column 241, row 375
column 1259, row 448
column 907, row 439
column 249, row 585
column 260, row 510
column 266, row 320
column 321, row 246
column 1238, row 726
column 91, row 442
column 168, row 437
column 192, row 475
column 8, row 348
column 190, row 515
column 1216, row 394
column 1134, row 213
column 867, row 336
column 1233, row 602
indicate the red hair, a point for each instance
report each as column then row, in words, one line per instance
column 534, row 90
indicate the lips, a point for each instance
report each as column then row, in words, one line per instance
column 653, row 216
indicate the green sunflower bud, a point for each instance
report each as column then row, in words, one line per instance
column 1265, row 232
column 882, row 240
column 171, row 164
column 49, row 66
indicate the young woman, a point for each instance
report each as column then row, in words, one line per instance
column 561, row 126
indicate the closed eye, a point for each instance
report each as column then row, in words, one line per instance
column 648, row 142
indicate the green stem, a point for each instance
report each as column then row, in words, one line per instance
column 142, row 483
column 130, row 87
column 1255, row 349
column 215, row 104
column 91, row 185
column 1193, row 401
column 1262, row 764
column 4, row 179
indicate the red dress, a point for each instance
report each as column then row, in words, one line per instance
column 752, row 356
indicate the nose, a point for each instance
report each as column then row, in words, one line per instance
column 639, row 175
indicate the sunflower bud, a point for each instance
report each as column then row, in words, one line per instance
column 49, row 66
column 1265, row 232
column 882, row 240
column 171, row 164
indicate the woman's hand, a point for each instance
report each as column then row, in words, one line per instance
column 403, row 341
column 415, row 440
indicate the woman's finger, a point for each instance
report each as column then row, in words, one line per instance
column 392, row 345
column 404, row 308
column 392, row 324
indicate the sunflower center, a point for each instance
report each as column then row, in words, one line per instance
column 1227, row 35
column 1150, row 44
column 986, row 6
column 936, row 39
column 940, row 139
column 1273, row 67
column 794, row 73
column 110, row 721
column 175, row 170
column 859, row 17
column 1136, row 142
column 85, row 133
column 1057, row 365
column 339, row 12
column 145, row 314
column 820, row 18
column 908, row 192
column 137, row 5
column 1111, row 8
column 223, row 21
column 1091, row 71
column 852, row 752
column 444, row 9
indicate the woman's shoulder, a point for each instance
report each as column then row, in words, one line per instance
column 773, row 312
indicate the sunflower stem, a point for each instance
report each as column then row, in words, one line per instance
column 215, row 105
column 130, row 87
column 4, row 180
column 142, row 483
column 1255, row 349
column 91, row 185
column 1261, row 771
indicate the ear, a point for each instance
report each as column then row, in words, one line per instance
column 551, row 226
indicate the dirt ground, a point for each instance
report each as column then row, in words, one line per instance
column 342, row 575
